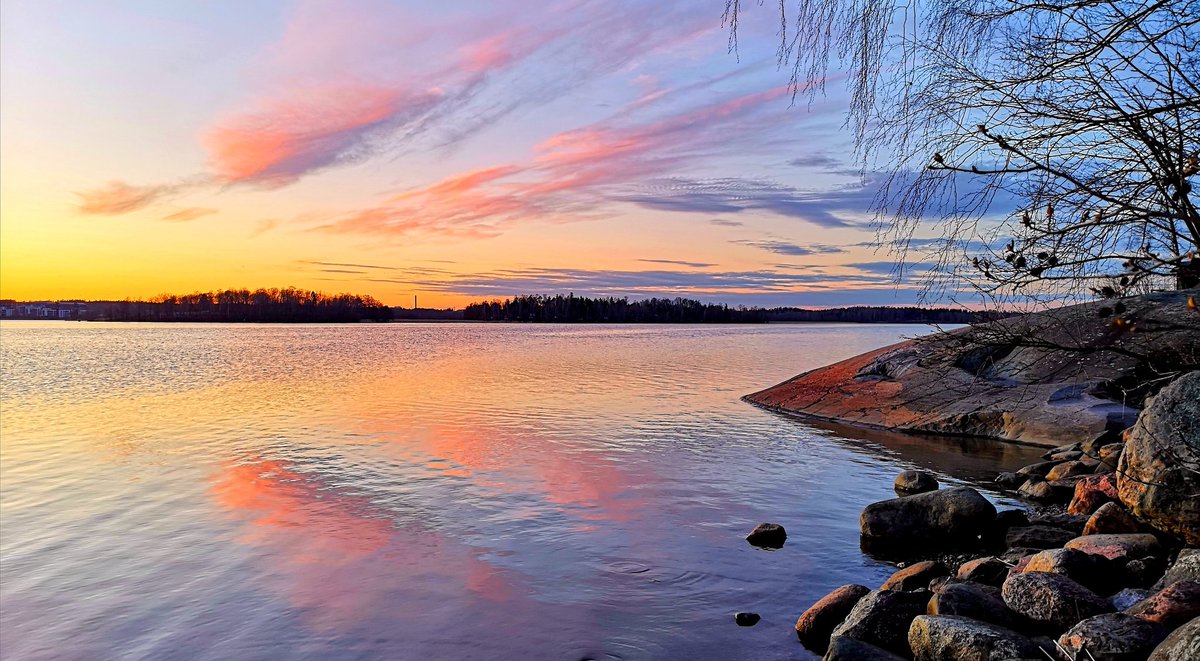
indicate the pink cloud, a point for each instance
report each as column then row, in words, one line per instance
column 307, row 130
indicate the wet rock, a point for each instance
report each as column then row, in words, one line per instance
column 1037, row 489
column 949, row 517
column 1129, row 597
column 816, row 623
column 767, row 535
column 1091, row 492
column 845, row 648
column 1112, row 636
column 1171, row 606
column 1051, row 601
column 952, row 638
column 1068, row 469
column 1182, row 645
column 1037, row 537
column 1186, row 567
column 1091, row 571
column 1010, row 480
column 1117, row 547
column 882, row 618
column 915, row 576
column 978, row 602
column 988, row 571
column 1110, row 518
column 1158, row 478
column 746, row 619
column 910, row 482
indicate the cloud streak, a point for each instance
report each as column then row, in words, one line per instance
column 793, row 249
column 119, row 197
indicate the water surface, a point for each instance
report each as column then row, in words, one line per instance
column 429, row 491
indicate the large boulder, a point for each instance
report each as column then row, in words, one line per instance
column 953, row 638
column 951, row 517
column 1171, row 606
column 815, row 624
column 1158, row 477
column 1047, row 378
column 882, row 618
column 1117, row 547
column 1112, row 637
column 1182, row 645
column 1053, row 602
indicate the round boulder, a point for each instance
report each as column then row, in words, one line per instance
column 1113, row 637
column 1159, row 473
column 953, row 638
column 988, row 571
column 1051, row 601
column 816, row 623
column 1091, row 571
column 1110, row 518
column 882, row 618
column 910, row 482
column 946, row 516
column 845, row 648
column 1130, row 546
column 978, row 602
column 1068, row 469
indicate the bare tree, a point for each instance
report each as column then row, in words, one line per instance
column 1051, row 144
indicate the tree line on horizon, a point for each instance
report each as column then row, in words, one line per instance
column 582, row 309
column 290, row 305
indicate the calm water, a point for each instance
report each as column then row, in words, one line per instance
column 428, row 491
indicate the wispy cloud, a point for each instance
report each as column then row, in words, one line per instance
column 794, row 249
column 119, row 197
column 823, row 207
column 677, row 262
column 192, row 213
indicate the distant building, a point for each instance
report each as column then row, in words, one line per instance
column 43, row 310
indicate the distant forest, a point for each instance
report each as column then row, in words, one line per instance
column 578, row 309
column 289, row 305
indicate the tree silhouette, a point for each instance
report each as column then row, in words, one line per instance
column 1062, row 135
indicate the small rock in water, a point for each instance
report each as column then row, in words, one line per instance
column 911, row 481
column 767, row 535
column 746, row 619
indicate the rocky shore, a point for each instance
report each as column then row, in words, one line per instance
column 1049, row 378
column 1104, row 566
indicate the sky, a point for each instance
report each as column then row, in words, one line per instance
column 455, row 152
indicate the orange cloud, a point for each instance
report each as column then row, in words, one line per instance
column 119, row 197
column 185, row 215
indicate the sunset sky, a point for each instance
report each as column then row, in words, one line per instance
column 455, row 151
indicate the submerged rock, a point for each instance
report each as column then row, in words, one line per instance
column 911, row 481
column 816, row 624
column 767, row 535
column 950, row 517
column 1159, row 472
column 953, row 638
column 1051, row 601
column 746, row 619
column 1112, row 637
column 882, row 618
